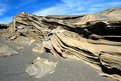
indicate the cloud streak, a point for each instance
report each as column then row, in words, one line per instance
column 76, row 7
column 3, row 9
column 53, row 7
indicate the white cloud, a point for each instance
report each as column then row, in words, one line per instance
column 76, row 7
column 2, row 11
column 111, row 4
column 5, row 20
column 65, row 7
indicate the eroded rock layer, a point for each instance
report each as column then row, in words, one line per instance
column 90, row 37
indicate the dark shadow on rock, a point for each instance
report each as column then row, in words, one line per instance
column 111, row 70
column 3, row 26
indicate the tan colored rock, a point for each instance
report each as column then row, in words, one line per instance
column 95, row 38
column 24, row 41
column 39, row 49
column 86, row 18
column 40, row 67
column 7, row 51
column 111, row 60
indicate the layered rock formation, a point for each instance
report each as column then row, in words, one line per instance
column 95, row 38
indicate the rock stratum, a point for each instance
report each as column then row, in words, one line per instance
column 94, row 38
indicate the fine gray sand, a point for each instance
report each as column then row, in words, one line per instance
column 12, row 68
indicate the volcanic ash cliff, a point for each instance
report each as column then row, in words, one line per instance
column 94, row 38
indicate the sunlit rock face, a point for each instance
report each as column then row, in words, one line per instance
column 95, row 38
column 40, row 67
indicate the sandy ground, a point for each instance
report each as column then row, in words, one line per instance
column 12, row 68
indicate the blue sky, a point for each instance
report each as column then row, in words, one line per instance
column 9, row 8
